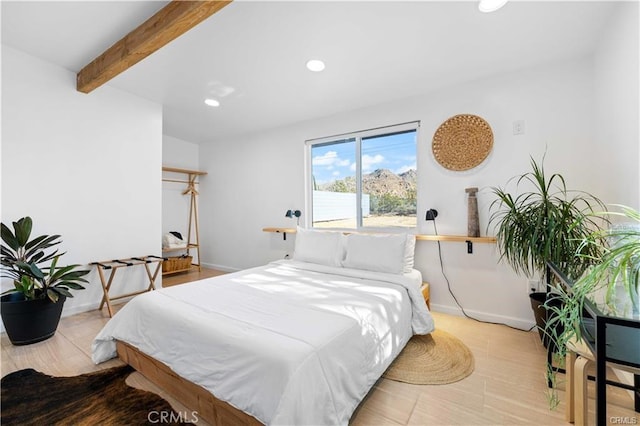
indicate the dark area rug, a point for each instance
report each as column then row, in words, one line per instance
column 101, row 398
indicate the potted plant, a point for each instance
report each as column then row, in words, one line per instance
column 615, row 275
column 619, row 264
column 613, row 278
column 544, row 222
column 31, row 309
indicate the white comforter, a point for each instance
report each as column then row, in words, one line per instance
column 288, row 342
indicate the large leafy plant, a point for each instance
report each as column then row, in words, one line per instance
column 619, row 263
column 32, row 264
column 545, row 222
column 617, row 266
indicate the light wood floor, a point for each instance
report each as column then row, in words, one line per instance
column 185, row 277
column 507, row 387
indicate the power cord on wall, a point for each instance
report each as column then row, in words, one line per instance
column 435, row 228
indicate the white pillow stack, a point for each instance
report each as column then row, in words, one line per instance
column 389, row 253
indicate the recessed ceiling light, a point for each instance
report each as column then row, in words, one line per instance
column 490, row 5
column 315, row 65
column 212, row 102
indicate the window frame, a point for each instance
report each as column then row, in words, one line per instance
column 357, row 136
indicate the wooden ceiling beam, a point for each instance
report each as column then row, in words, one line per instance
column 173, row 20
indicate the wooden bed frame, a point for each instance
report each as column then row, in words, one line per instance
column 194, row 397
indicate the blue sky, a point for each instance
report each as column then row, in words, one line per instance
column 336, row 161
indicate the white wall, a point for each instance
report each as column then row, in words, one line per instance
column 175, row 206
column 259, row 177
column 617, row 88
column 617, row 108
column 85, row 166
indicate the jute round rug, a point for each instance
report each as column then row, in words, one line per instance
column 432, row 359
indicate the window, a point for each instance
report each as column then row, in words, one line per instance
column 365, row 179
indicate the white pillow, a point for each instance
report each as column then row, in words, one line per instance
column 377, row 252
column 322, row 247
column 409, row 253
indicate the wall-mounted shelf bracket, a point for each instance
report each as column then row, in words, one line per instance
column 283, row 231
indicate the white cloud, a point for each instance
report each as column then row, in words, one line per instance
column 369, row 161
column 329, row 159
column 325, row 160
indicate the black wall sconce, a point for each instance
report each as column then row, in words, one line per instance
column 294, row 213
column 431, row 214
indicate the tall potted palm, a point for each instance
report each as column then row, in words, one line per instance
column 544, row 221
column 31, row 310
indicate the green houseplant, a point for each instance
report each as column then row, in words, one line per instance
column 612, row 281
column 544, row 222
column 619, row 263
column 616, row 268
column 31, row 309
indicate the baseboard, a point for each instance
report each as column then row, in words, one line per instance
column 73, row 310
column 520, row 323
column 219, row 267
column 78, row 309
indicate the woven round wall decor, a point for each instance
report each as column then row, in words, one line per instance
column 462, row 142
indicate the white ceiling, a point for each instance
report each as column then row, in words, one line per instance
column 251, row 55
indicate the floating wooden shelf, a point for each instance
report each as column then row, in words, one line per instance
column 419, row 237
column 283, row 231
column 455, row 238
column 280, row 230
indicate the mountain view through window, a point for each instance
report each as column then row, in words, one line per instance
column 367, row 181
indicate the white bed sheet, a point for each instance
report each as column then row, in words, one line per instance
column 289, row 342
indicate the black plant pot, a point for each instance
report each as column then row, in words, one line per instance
column 30, row 321
column 541, row 314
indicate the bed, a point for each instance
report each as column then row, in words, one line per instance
column 292, row 342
